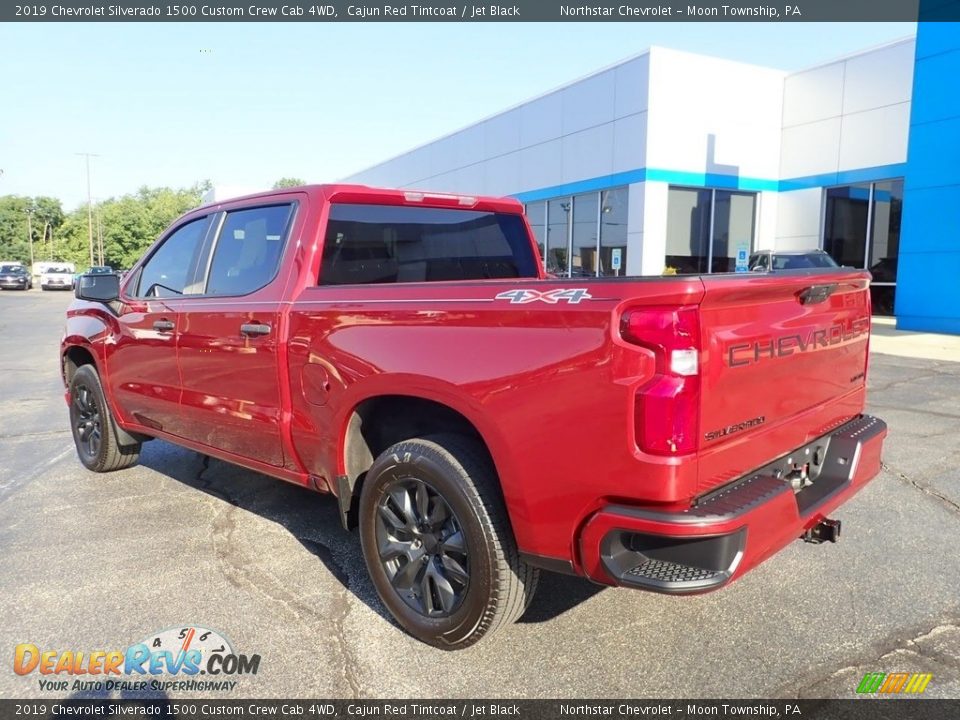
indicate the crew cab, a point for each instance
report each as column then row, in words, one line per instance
column 476, row 420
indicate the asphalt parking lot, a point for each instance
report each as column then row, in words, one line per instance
column 101, row 561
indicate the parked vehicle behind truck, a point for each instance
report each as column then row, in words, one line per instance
column 476, row 421
column 55, row 275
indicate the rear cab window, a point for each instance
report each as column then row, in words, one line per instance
column 367, row 244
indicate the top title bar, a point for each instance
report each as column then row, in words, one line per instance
column 505, row 11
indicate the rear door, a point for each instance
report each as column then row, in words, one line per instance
column 784, row 360
column 230, row 335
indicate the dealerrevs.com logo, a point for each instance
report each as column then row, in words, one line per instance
column 172, row 659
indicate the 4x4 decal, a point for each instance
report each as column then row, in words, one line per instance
column 522, row 297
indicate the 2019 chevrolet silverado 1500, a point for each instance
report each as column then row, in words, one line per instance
column 476, row 420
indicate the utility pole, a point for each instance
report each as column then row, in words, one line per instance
column 99, row 238
column 30, row 211
column 89, row 203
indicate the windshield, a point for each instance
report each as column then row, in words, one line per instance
column 59, row 270
column 11, row 269
column 100, row 270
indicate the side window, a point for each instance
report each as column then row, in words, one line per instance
column 174, row 268
column 247, row 253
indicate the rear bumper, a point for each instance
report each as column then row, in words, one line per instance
column 734, row 529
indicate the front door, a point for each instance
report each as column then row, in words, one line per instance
column 143, row 375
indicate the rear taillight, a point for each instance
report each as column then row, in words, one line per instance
column 668, row 407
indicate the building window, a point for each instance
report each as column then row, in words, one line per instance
column 582, row 235
column 862, row 229
column 706, row 229
column 613, row 232
column 559, row 218
column 537, row 217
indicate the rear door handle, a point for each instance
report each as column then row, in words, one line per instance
column 163, row 325
column 254, row 329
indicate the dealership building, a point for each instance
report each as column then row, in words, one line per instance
column 671, row 161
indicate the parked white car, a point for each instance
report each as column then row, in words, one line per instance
column 57, row 276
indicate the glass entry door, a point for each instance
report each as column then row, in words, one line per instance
column 862, row 229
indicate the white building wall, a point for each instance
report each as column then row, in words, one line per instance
column 847, row 115
column 590, row 128
column 709, row 117
column 684, row 119
column 713, row 116
column 654, row 228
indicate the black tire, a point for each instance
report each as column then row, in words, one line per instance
column 93, row 426
column 456, row 576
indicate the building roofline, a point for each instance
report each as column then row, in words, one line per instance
column 856, row 53
column 509, row 108
column 611, row 66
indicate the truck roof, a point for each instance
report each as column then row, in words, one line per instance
column 349, row 193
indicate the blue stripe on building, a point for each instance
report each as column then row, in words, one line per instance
column 715, row 180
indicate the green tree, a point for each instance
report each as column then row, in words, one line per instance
column 129, row 224
column 286, row 182
column 45, row 218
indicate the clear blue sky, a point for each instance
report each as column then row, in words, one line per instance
column 245, row 104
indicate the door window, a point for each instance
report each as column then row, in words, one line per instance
column 247, row 252
column 175, row 266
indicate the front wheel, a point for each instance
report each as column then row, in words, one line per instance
column 94, row 429
column 438, row 544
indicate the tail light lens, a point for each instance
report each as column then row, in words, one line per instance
column 667, row 414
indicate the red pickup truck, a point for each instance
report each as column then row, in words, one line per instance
column 476, row 419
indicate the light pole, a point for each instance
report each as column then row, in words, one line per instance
column 89, row 203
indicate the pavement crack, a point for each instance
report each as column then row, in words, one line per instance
column 814, row 684
column 242, row 572
column 341, row 609
column 923, row 487
column 883, row 387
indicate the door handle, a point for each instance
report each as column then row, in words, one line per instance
column 816, row 294
column 163, row 325
column 254, row 329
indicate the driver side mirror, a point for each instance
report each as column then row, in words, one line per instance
column 103, row 288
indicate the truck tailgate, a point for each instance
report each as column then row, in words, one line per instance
column 784, row 359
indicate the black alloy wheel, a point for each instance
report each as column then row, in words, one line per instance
column 101, row 447
column 437, row 541
column 85, row 415
column 422, row 548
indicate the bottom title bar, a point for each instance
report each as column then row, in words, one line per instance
column 872, row 709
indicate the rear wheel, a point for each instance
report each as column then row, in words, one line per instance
column 438, row 544
column 94, row 429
